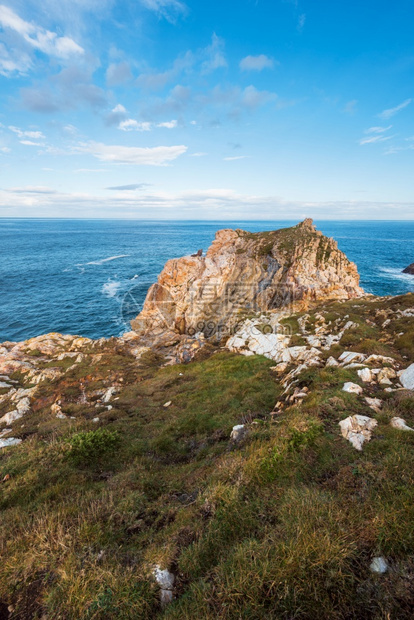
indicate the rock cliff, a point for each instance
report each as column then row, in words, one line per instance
column 244, row 273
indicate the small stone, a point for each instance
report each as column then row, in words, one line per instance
column 400, row 424
column 238, row 433
column 5, row 443
column 95, row 420
column 167, row 404
column 352, row 388
column 374, row 403
column 379, row 565
column 331, row 362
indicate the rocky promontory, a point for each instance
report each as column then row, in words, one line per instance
column 243, row 273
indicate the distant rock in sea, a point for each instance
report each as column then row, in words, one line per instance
column 409, row 269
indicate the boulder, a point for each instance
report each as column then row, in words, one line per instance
column 407, row 378
column 400, row 424
column 352, row 388
column 357, row 429
column 365, row 375
column 351, row 356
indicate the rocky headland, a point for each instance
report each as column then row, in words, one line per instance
column 245, row 451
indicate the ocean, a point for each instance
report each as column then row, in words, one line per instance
column 90, row 277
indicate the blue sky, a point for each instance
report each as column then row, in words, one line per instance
column 247, row 109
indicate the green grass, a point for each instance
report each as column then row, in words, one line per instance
column 283, row 525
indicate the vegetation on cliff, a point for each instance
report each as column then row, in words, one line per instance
column 138, row 471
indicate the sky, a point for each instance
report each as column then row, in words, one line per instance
column 238, row 109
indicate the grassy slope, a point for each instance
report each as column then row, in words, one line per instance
column 282, row 526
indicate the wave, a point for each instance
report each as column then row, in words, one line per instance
column 103, row 260
column 110, row 289
column 397, row 274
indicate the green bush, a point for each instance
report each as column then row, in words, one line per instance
column 90, row 446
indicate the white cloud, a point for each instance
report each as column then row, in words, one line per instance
column 31, row 143
column 34, row 135
column 168, row 124
column 132, row 125
column 4, row 149
column 392, row 111
column 378, row 138
column 256, row 63
column 199, row 154
column 236, row 157
column 377, row 129
column 138, row 156
column 37, row 38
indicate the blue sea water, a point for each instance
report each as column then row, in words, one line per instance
column 89, row 277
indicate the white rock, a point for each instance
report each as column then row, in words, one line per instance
column 385, row 375
column 5, row 431
column 164, row 578
column 331, row 361
column 95, row 420
column 4, row 385
column 407, row 378
column 380, row 359
column 374, row 403
column 379, row 565
column 238, row 432
column 351, row 356
column 108, row 394
column 357, row 429
column 166, row 597
column 365, row 375
column 5, row 443
column 167, row 404
column 400, row 424
column 11, row 417
column 352, row 388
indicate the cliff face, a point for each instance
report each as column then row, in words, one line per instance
column 245, row 273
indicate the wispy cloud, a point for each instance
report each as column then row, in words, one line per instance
column 378, row 129
column 392, row 111
column 168, row 9
column 215, row 57
column 137, row 156
column 301, row 22
column 236, row 157
column 128, row 188
column 35, row 38
column 257, row 63
column 131, row 124
column 350, row 106
column 34, row 135
column 377, row 138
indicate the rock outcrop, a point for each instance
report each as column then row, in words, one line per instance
column 409, row 269
column 245, row 273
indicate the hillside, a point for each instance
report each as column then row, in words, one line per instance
column 126, row 491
